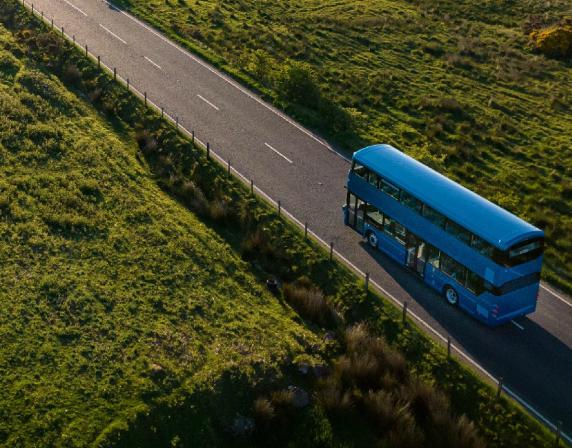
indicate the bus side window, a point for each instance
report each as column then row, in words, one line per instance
column 453, row 269
column 400, row 233
column 410, row 201
column 433, row 256
column 388, row 225
column 434, row 216
column 458, row 232
column 360, row 170
column 373, row 179
column 482, row 246
column 392, row 191
column 475, row 284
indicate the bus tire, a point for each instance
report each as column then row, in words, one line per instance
column 451, row 296
column 372, row 239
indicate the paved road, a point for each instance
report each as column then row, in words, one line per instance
column 534, row 355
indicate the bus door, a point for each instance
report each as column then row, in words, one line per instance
column 355, row 210
column 415, row 254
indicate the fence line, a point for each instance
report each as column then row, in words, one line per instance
column 556, row 428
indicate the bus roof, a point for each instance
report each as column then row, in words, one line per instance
column 483, row 218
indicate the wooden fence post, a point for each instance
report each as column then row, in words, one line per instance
column 448, row 347
column 499, row 390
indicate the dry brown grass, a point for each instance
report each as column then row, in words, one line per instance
column 310, row 302
column 263, row 409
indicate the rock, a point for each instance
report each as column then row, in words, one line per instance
column 242, row 425
column 300, row 398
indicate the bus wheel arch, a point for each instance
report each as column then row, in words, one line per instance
column 451, row 295
column 372, row 239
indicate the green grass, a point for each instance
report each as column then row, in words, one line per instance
column 130, row 321
column 452, row 83
column 113, row 295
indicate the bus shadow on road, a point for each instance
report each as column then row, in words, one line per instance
column 533, row 363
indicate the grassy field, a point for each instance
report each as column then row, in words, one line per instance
column 113, row 295
column 452, row 83
column 134, row 311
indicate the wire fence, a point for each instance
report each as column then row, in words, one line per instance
column 176, row 121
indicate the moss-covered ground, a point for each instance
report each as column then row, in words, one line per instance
column 453, row 83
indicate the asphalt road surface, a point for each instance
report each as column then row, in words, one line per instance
column 290, row 164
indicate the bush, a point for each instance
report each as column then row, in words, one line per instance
column 427, row 404
column 310, row 302
column 72, row 74
column 333, row 398
column 297, row 82
column 263, row 409
column 363, row 370
column 282, row 399
column 463, row 434
column 555, row 41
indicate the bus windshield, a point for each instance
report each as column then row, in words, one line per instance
column 526, row 251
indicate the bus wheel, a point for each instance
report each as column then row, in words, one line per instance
column 372, row 239
column 451, row 295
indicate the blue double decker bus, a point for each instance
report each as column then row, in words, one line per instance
column 476, row 254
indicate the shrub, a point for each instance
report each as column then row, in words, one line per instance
column 555, row 41
column 310, row 302
column 263, row 409
column 333, row 398
column 427, row 404
column 463, row 434
column 219, row 210
column 72, row 74
column 297, row 82
column 282, row 399
column 363, row 370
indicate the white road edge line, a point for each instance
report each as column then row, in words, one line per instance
column 517, row 325
column 208, row 102
column 559, row 297
column 154, row 63
column 230, row 81
column 279, row 153
column 112, row 33
column 75, row 7
column 351, row 265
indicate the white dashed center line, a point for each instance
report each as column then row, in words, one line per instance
column 279, row 153
column 151, row 62
column 112, row 33
column 517, row 325
column 208, row 102
column 76, row 8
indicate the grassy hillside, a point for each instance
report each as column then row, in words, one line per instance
column 127, row 322
column 113, row 296
column 451, row 82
